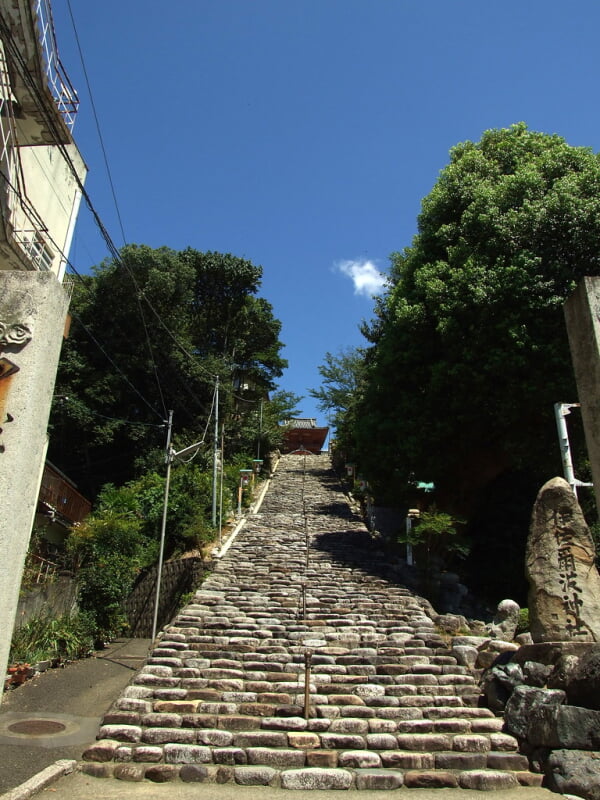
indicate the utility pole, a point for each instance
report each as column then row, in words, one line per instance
column 170, row 456
column 215, row 456
column 163, row 528
column 260, row 420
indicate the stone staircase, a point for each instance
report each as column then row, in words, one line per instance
column 302, row 591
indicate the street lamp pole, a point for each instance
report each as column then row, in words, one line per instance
column 171, row 455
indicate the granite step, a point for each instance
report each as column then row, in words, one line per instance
column 222, row 695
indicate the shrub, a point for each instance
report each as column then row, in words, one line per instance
column 109, row 550
column 43, row 638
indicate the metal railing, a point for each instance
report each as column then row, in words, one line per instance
column 61, row 87
column 38, row 569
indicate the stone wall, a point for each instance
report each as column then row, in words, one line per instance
column 178, row 578
column 52, row 599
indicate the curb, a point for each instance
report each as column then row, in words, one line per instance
column 41, row 780
column 253, row 510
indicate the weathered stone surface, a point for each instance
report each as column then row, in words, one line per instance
column 122, row 733
column 438, row 779
column 460, row 761
column 260, row 739
column 254, row 776
column 574, row 772
column 466, row 655
column 568, row 727
column 359, row 759
column 316, row 778
column 165, row 735
column 273, row 757
column 382, row 779
column 303, row 739
column 123, row 753
column 564, row 585
column 523, row 701
column 147, row 754
column 426, row 742
column 507, row 761
column 342, row 741
column 484, row 780
column 321, row 758
column 581, row 678
column 161, row 773
column 536, row 674
column 187, row 754
column 214, row 737
column 101, row 751
column 230, row 756
column 506, row 619
column 128, row 772
column 451, row 623
column 193, row 773
column 96, row 770
column 471, row 743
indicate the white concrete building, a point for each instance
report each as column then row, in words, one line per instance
column 41, row 180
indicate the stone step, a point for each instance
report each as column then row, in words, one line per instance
column 221, row 697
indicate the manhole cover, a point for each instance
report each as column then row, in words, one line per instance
column 37, row 727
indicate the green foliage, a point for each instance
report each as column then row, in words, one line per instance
column 167, row 318
column 122, row 537
column 43, row 638
column 436, row 542
column 258, row 431
column 436, row 537
column 109, row 550
column 339, row 393
column 469, row 350
column 523, row 623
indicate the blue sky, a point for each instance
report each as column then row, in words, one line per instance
column 303, row 134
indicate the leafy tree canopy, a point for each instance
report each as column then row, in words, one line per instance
column 469, row 350
column 337, row 396
column 151, row 331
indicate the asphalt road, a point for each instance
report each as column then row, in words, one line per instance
column 56, row 714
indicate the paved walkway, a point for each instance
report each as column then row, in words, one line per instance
column 56, row 715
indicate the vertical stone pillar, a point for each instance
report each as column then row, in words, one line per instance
column 33, row 307
column 582, row 315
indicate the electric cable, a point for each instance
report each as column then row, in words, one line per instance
column 97, row 121
column 52, row 126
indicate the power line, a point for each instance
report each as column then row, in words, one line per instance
column 50, row 120
column 93, row 106
column 52, row 127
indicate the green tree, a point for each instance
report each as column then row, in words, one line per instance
column 469, row 350
column 338, row 395
column 151, row 332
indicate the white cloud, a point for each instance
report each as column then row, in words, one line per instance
column 367, row 279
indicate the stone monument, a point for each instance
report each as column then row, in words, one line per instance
column 582, row 317
column 564, row 584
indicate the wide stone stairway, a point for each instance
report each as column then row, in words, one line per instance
column 302, row 590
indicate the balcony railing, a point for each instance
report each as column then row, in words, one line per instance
column 61, row 87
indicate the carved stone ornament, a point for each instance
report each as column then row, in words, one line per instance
column 16, row 320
